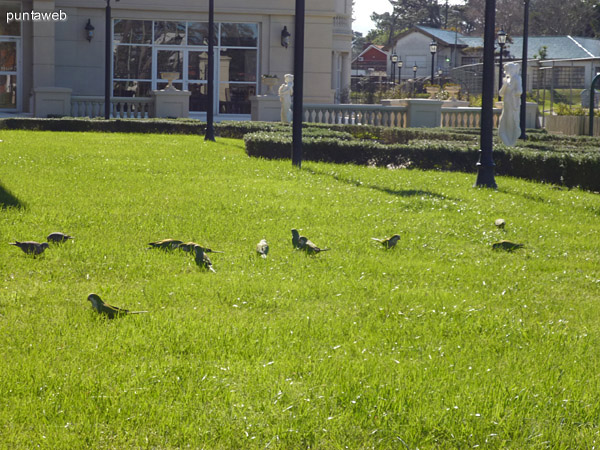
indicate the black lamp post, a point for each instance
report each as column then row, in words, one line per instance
column 485, row 165
column 400, row 64
column 394, row 59
column 415, row 68
column 298, row 85
column 107, row 59
column 210, row 78
column 440, row 73
column 502, row 43
column 524, row 69
column 432, row 49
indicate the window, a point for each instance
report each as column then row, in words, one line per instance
column 145, row 49
column 12, row 28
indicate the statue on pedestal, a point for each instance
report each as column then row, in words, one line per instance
column 509, row 128
column 286, row 90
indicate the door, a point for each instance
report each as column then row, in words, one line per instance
column 10, row 74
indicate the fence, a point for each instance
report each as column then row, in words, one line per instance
column 121, row 107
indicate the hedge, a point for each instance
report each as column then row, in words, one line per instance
column 568, row 169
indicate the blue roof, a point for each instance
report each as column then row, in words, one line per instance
column 557, row 47
column 445, row 36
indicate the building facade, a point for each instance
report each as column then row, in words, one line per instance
column 152, row 37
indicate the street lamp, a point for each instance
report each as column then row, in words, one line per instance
column 400, row 64
column 394, row 59
column 485, row 165
column 524, row 69
column 432, row 49
column 298, row 84
column 440, row 73
column 502, row 42
column 107, row 59
column 415, row 68
column 209, row 134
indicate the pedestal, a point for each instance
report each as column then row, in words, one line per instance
column 55, row 101
column 265, row 108
column 424, row 113
column 171, row 103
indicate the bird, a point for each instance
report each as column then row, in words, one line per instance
column 189, row 246
column 295, row 238
column 202, row 260
column 388, row 242
column 58, row 237
column 262, row 248
column 166, row 244
column 109, row 310
column 500, row 223
column 309, row 247
column 31, row 247
column 506, row 245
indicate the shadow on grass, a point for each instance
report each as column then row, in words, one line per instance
column 396, row 192
column 8, row 200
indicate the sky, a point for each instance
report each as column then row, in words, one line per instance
column 364, row 8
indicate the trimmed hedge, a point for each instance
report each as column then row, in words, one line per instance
column 568, row 169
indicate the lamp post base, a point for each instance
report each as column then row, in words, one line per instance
column 485, row 176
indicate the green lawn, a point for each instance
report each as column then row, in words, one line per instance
column 440, row 343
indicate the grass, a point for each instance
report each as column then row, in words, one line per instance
column 440, row 343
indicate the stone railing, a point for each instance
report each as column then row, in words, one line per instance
column 466, row 117
column 387, row 116
column 121, row 107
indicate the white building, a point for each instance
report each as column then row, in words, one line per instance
column 150, row 37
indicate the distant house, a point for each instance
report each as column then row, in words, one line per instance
column 372, row 61
column 574, row 60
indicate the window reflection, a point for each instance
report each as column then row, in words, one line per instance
column 198, row 33
column 8, row 91
column 198, row 97
column 197, row 65
column 132, row 88
column 133, row 31
column 8, row 56
column 169, row 61
column 235, row 98
column 239, row 34
column 13, row 28
column 238, row 65
column 169, row 33
column 132, row 61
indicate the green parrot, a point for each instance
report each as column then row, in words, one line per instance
column 388, row 242
column 506, row 245
column 189, row 246
column 58, row 237
column 295, row 238
column 500, row 223
column 109, row 310
column 31, row 247
column 166, row 244
column 262, row 248
column 202, row 259
column 309, row 247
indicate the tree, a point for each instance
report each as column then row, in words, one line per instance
column 546, row 17
column 405, row 14
column 358, row 43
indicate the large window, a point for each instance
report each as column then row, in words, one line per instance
column 144, row 50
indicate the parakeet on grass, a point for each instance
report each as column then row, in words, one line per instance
column 58, row 237
column 109, row 310
column 202, row 259
column 166, row 244
column 388, row 242
column 262, row 248
column 31, row 247
column 506, row 245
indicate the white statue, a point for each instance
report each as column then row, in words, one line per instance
column 286, row 90
column 509, row 128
